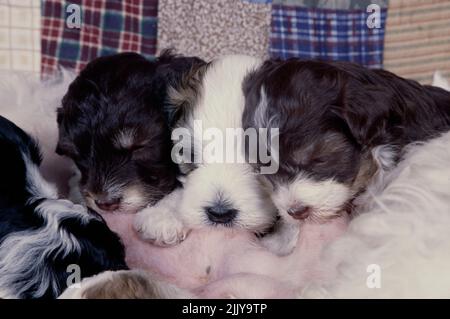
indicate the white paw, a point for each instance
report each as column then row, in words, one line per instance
column 160, row 226
column 283, row 240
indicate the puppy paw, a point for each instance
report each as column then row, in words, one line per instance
column 283, row 240
column 160, row 227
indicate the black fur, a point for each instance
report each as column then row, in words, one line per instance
column 20, row 197
column 123, row 91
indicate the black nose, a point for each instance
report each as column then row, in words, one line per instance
column 299, row 211
column 109, row 204
column 221, row 214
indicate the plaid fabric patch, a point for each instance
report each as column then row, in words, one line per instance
column 334, row 4
column 107, row 27
column 20, row 23
column 326, row 34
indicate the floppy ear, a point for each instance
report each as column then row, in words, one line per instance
column 183, row 91
column 367, row 113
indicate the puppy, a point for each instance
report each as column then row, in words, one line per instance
column 204, row 106
column 40, row 235
column 112, row 125
column 341, row 127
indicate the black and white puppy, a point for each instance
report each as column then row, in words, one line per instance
column 40, row 235
column 341, row 126
column 218, row 191
column 112, row 125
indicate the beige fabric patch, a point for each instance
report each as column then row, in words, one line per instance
column 209, row 29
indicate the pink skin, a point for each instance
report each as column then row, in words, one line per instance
column 221, row 263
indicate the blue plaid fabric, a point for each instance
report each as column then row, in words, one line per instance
column 326, row 34
column 259, row 1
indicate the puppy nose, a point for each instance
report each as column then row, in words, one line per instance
column 299, row 211
column 221, row 214
column 109, row 204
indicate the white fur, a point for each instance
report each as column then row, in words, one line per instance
column 440, row 81
column 31, row 105
column 404, row 230
column 325, row 198
column 261, row 118
column 160, row 223
column 37, row 185
column 21, row 250
column 284, row 237
column 161, row 289
column 406, row 233
column 235, row 183
column 220, row 106
column 125, row 139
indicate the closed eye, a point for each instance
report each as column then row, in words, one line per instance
column 136, row 147
column 319, row 161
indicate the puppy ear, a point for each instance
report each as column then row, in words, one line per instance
column 184, row 91
column 366, row 112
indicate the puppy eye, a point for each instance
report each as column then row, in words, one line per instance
column 319, row 161
column 136, row 147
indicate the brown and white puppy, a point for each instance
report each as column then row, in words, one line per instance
column 112, row 125
column 341, row 126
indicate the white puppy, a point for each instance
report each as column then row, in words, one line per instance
column 217, row 190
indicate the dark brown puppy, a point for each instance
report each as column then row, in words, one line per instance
column 340, row 125
column 113, row 125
